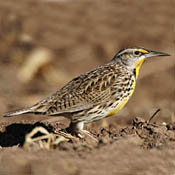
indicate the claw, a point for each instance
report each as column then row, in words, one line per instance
column 87, row 133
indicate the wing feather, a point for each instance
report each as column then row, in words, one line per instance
column 81, row 93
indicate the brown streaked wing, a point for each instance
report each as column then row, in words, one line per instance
column 81, row 93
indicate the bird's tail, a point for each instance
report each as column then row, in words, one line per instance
column 18, row 112
column 37, row 108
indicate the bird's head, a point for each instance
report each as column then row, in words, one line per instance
column 133, row 58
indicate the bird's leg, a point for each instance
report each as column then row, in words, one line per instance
column 77, row 129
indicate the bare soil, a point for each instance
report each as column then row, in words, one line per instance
column 44, row 44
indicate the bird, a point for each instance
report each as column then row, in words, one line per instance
column 96, row 94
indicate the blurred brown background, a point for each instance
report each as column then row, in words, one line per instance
column 45, row 43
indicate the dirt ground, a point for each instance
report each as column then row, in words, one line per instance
column 44, row 44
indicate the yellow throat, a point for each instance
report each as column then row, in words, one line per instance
column 138, row 66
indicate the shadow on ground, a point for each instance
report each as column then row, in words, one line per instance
column 14, row 134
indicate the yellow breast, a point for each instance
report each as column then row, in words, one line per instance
column 123, row 102
column 119, row 107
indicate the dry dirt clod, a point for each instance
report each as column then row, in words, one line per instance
column 152, row 135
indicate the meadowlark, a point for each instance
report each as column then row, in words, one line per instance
column 96, row 94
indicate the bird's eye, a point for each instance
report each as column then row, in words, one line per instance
column 137, row 53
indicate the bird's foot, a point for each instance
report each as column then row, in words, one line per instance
column 76, row 129
column 82, row 133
